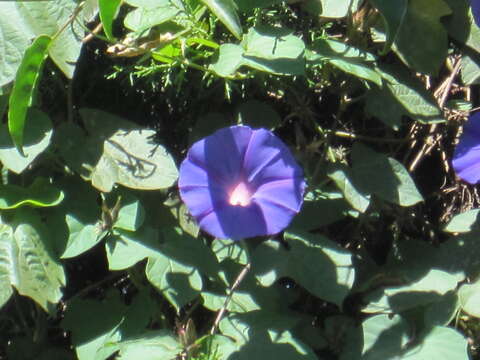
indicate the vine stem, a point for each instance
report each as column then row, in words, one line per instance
column 445, row 90
column 231, row 291
column 72, row 17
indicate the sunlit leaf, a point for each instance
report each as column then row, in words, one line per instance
column 24, row 88
column 469, row 297
column 23, row 21
column 346, row 58
column 463, row 222
column 81, row 237
column 39, row 194
column 226, row 11
column 150, row 14
column 440, row 343
column 28, row 262
column 37, row 134
column 108, row 10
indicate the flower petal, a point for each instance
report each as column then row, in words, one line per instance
column 267, row 158
column 234, row 222
column 466, row 157
column 287, row 193
column 193, row 175
column 475, row 4
column 277, row 216
column 201, row 200
column 218, row 164
column 222, row 153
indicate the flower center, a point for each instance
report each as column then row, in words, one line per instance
column 240, row 195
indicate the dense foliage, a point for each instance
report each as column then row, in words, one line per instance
column 101, row 100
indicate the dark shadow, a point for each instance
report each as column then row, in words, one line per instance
column 366, row 165
column 261, row 346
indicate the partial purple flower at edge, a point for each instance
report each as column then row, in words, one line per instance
column 475, row 4
column 466, row 157
column 239, row 183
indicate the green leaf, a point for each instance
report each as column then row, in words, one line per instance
column 41, row 276
column 22, row 95
column 248, row 5
column 175, row 272
column 346, row 58
column 179, row 283
column 393, row 14
column 257, row 335
column 441, row 312
column 81, row 239
column 222, row 346
column 7, row 249
column 402, row 95
column 462, row 27
column 384, row 337
column 332, row 210
column 75, row 220
column 440, row 343
column 158, row 345
column 28, row 262
column 37, row 135
column 258, row 114
column 150, row 14
column 180, row 212
column 127, row 248
column 469, row 297
column 421, row 40
column 331, row 8
column 341, row 175
column 470, row 68
column 130, row 160
column 108, row 10
column 226, row 12
column 464, row 222
column 240, row 302
column 26, row 20
column 274, row 50
column 272, row 43
column 306, row 255
column 375, row 173
column 228, row 61
column 422, row 291
column 229, row 250
column 89, row 337
column 277, row 66
column 131, row 215
column 39, row 194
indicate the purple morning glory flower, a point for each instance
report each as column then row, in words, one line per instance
column 475, row 4
column 240, row 183
column 466, row 157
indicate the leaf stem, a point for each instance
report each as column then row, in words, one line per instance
column 231, row 291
